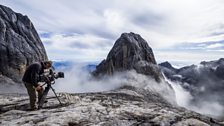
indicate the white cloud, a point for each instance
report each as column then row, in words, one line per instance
column 187, row 57
column 73, row 41
column 215, row 46
column 114, row 20
column 162, row 23
column 76, row 46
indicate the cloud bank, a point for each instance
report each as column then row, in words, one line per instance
column 79, row 80
column 204, row 106
column 96, row 24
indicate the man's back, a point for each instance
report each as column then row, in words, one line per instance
column 31, row 74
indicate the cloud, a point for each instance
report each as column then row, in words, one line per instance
column 79, row 80
column 217, row 45
column 200, row 46
column 148, row 19
column 76, row 46
column 73, row 41
column 162, row 23
column 186, row 18
column 204, row 106
column 187, row 56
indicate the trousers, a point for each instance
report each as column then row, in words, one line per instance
column 33, row 95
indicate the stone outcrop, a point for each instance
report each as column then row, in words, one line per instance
column 129, row 52
column 20, row 44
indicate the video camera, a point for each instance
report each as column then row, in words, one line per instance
column 50, row 76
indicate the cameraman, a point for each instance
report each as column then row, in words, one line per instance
column 31, row 78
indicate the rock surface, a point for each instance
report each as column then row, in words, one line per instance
column 129, row 52
column 126, row 106
column 20, row 44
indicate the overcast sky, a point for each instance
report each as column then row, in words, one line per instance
column 85, row 30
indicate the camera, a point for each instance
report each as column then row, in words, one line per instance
column 50, row 76
column 59, row 75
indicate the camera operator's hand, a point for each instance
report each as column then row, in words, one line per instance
column 39, row 88
column 48, row 80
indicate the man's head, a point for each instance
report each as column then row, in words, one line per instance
column 47, row 64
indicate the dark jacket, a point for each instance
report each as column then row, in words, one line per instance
column 33, row 73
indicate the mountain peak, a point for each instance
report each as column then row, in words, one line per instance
column 131, row 35
column 130, row 51
column 167, row 65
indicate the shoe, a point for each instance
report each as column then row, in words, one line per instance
column 32, row 109
column 44, row 101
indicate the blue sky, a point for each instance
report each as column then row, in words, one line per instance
column 85, row 31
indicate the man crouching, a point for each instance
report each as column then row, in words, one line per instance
column 31, row 78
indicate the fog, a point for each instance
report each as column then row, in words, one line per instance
column 78, row 80
column 203, row 106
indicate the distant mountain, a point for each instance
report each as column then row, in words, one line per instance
column 204, row 81
column 68, row 65
column 130, row 52
column 62, row 65
column 90, row 67
column 168, row 66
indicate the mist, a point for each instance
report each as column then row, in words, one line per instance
column 79, row 80
column 203, row 106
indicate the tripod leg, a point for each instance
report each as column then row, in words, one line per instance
column 43, row 97
column 56, row 95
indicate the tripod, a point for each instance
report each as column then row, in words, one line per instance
column 44, row 95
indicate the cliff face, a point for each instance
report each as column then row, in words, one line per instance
column 129, row 52
column 20, row 44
